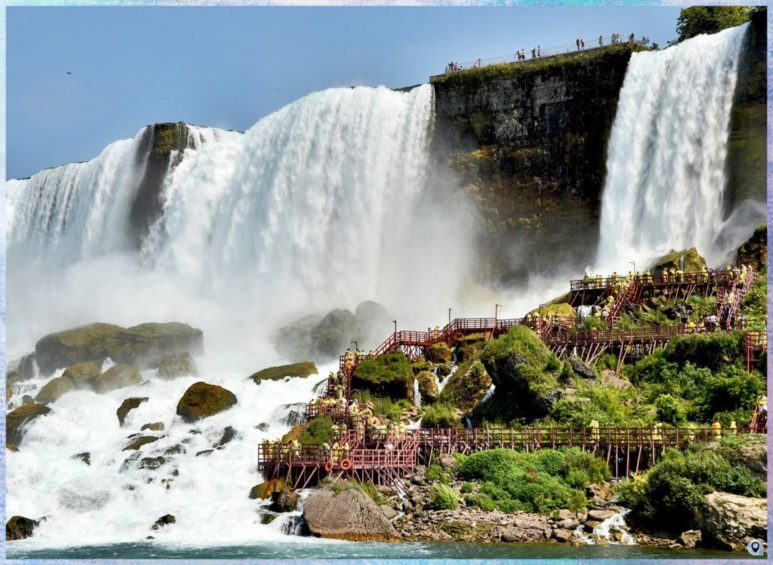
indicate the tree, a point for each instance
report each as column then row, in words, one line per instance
column 710, row 19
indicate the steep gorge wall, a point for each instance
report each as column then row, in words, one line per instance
column 529, row 143
column 747, row 146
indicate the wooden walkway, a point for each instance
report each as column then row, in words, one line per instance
column 388, row 460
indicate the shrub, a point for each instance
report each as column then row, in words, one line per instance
column 492, row 465
column 577, row 478
column 436, row 473
column 440, row 415
column 319, row 430
column 466, row 488
column 443, row 497
column 481, row 501
column 712, row 351
column 670, row 410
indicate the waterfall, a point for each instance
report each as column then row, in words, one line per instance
column 665, row 178
column 325, row 203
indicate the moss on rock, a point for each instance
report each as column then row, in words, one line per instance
column 388, row 375
column 525, row 372
column 303, row 369
column 440, row 353
column 754, row 251
column 686, row 260
column 85, row 343
column 127, row 406
column 177, row 365
column 428, row 388
column 202, row 400
column 467, row 387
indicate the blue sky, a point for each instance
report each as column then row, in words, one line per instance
column 228, row 67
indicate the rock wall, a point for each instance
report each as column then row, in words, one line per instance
column 747, row 147
column 529, row 143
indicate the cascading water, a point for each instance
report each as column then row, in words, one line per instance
column 321, row 204
column 665, row 179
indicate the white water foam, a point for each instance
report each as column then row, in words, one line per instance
column 665, row 181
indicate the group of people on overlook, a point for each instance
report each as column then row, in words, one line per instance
column 536, row 52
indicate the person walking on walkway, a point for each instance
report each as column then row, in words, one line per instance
column 601, row 40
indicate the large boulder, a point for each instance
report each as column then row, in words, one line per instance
column 284, row 500
column 127, row 406
column 16, row 421
column 686, row 260
column 143, row 345
column 333, row 334
column 303, row 369
column 466, row 387
column 83, row 375
column 202, row 400
column 440, row 353
column 119, row 376
column 525, row 372
column 86, row 343
column 24, row 366
column 754, row 250
column 53, row 389
column 146, row 344
column 387, row 375
column 732, row 520
column 347, row 515
column 19, row 527
column 427, row 387
column 177, row 365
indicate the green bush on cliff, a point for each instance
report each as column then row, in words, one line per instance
column 390, row 375
column 710, row 19
column 440, row 415
column 671, row 493
column 670, row 410
column 755, row 303
column 606, row 405
column 383, row 405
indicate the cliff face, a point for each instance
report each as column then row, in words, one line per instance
column 158, row 143
column 529, row 143
column 747, row 146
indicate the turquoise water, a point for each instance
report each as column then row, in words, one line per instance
column 317, row 549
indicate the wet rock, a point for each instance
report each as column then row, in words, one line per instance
column 348, row 515
column 581, row 368
column 568, row 524
column 690, row 538
column 428, row 388
column 202, row 400
column 24, row 367
column 228, row 435
column 19, row 527
column 83, row 375
column 600, row 515
column 154, row 426
column 732, row 520
column 141, row 345
column 177, row 365
column 263, row 427
column 204, row 453
column 85, row 457
column 286, row 500
column 164, row 520
column 686, row 260
column 266, row 518
column 563, row 535
column 26, row 400
column 175, row 450
column 78, row 345
column 296, row 414
column 302, row 370
column 54, row 389
column 266, row 489
column 17, row 421
column 139, row 442
column 118, row 376
column 127, row 406
column 151, row 463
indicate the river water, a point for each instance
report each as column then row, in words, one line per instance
column 308, row 548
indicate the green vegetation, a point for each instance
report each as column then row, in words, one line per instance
column 318, row 431
column 440, row 415
column 710, row 19
column 540, row 481
column 605, row 404
column 670, row 494
column 383, row 405
column 755, row 303
column 436, row 473
column 442, row 497
column 467, row 386
column 387, row 375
